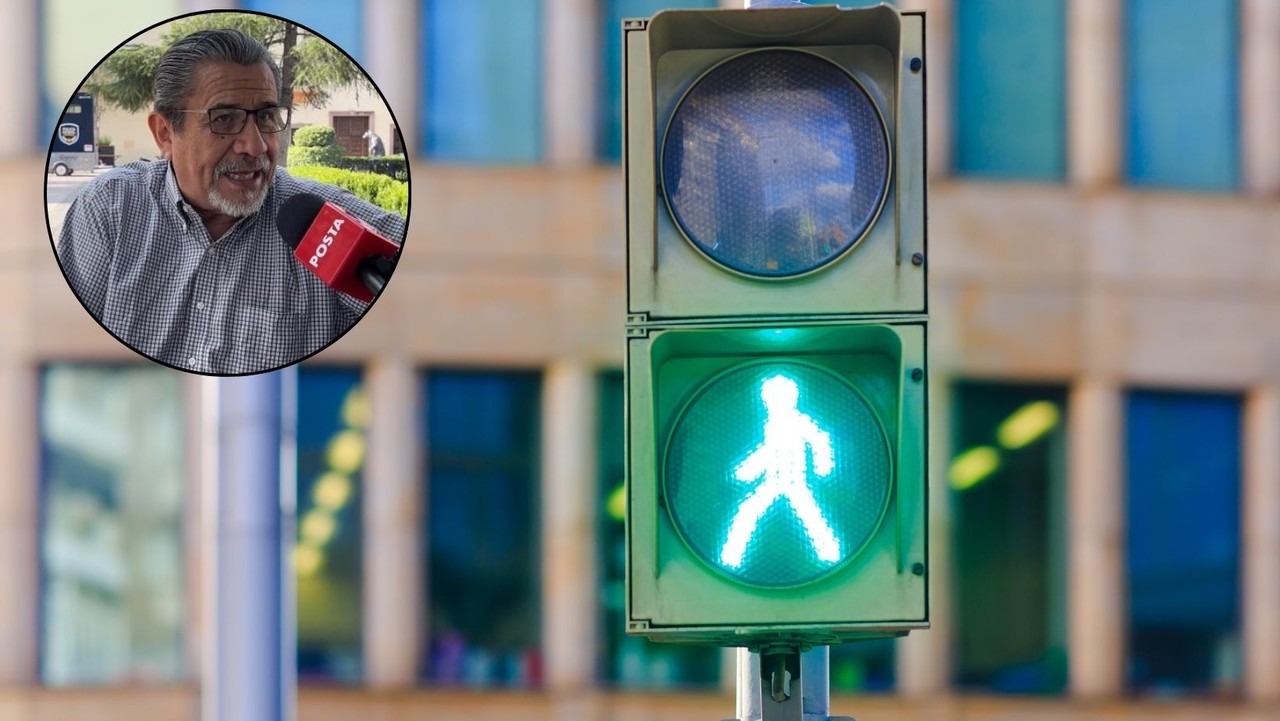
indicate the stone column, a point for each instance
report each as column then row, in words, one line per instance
column 394, row 562
column 1260, row 505
column 201, row 5
column 197, row 536
column 1096, row 511
column 1260, row 95
column 570, row 577
column 571, row 63
column 1094, row 92
column 19, row 524
column 19, row 35
column 393, row 58
column 923, row 663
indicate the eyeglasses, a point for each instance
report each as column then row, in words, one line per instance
column 230, row 121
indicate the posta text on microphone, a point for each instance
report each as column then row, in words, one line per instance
column 335, row 245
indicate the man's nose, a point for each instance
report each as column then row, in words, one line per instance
column 250, row 140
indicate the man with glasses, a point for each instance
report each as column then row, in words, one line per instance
column 181, row 259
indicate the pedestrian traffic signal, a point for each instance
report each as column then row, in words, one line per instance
column 732, row 526
column 776, row 324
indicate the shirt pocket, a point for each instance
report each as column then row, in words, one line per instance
column 269, row 339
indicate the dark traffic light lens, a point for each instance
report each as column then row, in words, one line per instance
column 775, row 163
column 777, row 473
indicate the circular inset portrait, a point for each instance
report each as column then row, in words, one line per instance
column 226, row 193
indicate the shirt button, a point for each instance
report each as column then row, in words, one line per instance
column 192, row 361
column 200, row 305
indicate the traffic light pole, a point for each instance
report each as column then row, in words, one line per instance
column 784, row 684
column 784, row 670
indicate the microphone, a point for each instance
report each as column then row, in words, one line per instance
column 348, row 255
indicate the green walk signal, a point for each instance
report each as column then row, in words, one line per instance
column 755, row 484
column 776, row 325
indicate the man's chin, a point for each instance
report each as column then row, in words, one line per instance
column 237, row 203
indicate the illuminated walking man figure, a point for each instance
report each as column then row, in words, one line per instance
column 781, row 464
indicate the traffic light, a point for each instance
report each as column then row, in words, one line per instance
column 776, row 325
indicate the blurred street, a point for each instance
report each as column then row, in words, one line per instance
column 61, row 191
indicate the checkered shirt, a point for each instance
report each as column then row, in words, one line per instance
column 141, row 261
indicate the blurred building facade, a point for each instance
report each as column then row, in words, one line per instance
column 1105, row 359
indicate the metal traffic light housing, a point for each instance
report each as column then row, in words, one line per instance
column 776, row 367
column 775, row 163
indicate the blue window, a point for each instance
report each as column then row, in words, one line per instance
column 113, row 472
column 612, row 13
column 1009, row 499
column 1183, row 542
column 1183, row 95
column 483, row 573
column 333, row 416
column 630, row 661
column 483, row 75
column 341, row 22
column 1010, row 89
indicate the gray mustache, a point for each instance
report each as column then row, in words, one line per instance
column 223, row 168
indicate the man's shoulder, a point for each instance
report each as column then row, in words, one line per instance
column 126, row 182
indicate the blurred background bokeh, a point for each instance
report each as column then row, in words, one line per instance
column 1104, row 264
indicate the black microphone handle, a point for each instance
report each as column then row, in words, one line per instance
column 374, row 272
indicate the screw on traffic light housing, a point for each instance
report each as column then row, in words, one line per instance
column 776, row 325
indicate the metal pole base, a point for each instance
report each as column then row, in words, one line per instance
column 782, row 684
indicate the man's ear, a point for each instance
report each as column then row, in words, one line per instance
column 163, row 133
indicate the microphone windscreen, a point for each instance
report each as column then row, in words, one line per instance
column 296, row 216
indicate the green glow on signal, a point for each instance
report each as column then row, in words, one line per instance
column 777, row 473
column 781, row 465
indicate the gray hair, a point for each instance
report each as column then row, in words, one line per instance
column 174, row 80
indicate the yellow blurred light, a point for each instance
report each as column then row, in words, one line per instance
column 346, row 451
column 971, row 467
column 318, row 527
column 616, row 506
column 355, row 408
column 307, row 560
column 1027, row 424
column 332, row 491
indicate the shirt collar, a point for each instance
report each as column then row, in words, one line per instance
column 174, row 195
column 189, row 214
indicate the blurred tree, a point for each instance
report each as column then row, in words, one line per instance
column 311, row 67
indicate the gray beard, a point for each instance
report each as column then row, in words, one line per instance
column 238, row 208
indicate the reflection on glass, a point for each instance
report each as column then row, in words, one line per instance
column 484, row 575
column 863, row 666
column 328, row 561
column 113, row 603
column 1009, row 501
column 632, row 662
column 609, row 109
column 775, row 163
column 1183, row 543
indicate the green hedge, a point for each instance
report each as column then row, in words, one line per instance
column 392, row 166
column 380, row 190
column 315, row 145
column 303, row 155
column 315, row 136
